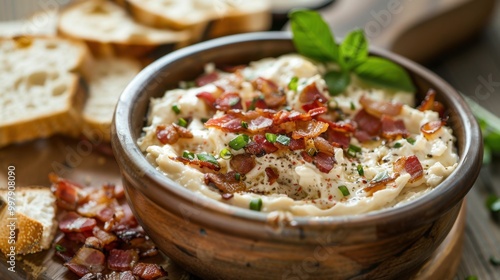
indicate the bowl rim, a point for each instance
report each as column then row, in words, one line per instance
column 466, row 171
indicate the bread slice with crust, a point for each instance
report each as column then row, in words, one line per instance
column 33, row 219
column 40, row 92
column 108, row 79
column 109, row 31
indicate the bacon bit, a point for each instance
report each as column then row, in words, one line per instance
column 368, row 123
column 311, row 97
column 379, row 185
column 242, row 163
column 72, row 222
column 317, row 111
column 206, row 79
column 105, row 237
column 148, row 271
column 256, row 103
column 428, row 102
column 78, row 237
column 231, row 68
column 393, row 129
column 306, row 156
column 86, row 260
column 69, row 195
column 324, row 162
column 182, row 131
column 297, row 144
column 272, row 95
column 430, row 128
column 197, row 162
column 94, row 243
column 324, row 146
column 341, row 126
column 267, row 146
column 208, row 98
column 259, row 124
column 337, row 138
column 362, row 136
column 228, row 101
column 410, row 165
column 122, row 260
column 255, row 149
column 272, row 174
column 226, row 183
column 129, row 234
column 309, row 129
column 167, row 134
column 106, row 213
column 379, row 108
column 68, row 248
column 226, row 123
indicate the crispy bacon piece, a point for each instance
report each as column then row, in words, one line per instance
column 232, row 68
column 226, row 123
column 341, row 126
column 367, row 123
column 105, row 237
column 259, row 124
column 297, row 144
column 170, row 134
column 69, row 195
column 226, row 183
column 255, row 149
column 72, row 222
column 324, row 146
column 242, row 163
column 122, row 260
column 378, row 185
column 393, row 129
column 78, row 237
column 228, row 101
column 273, row 97
column 324, row 162
column 106, row 213
column 378, row 108
column 267, row 146
column 148, row 271
column 337, row 138
column 311, row 97
column 428, row 102
column 66, row 248
column 93, row 242
column 362, row 136
column 410, row 165
column 430, row 128
column 199, row 163
column 86, row 260
column 309, row 129
column 208, row 98
column 306, row 156
column 272, row 174
column 257, row 102
column 206, row 79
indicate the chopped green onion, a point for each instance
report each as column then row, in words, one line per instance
column 283, row 140
column 271, row 137
column 60, row 248
column 353, row 150
column 353, row 107
column 208, row 158
column 380, row 176
column 226, row 154
column 239, row 142
column 176, row 109
column 244, row 124
column 204, row 120
column 411, row 140
column 312, row 151
column 182, row 122
column 288, row 108
column 188, row 155
column 361, row 171
column 397, row 145
column 343, row 189
column 292, row 85
column 237, row 176
column 256, row 204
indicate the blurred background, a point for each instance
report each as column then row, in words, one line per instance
column 458, row 39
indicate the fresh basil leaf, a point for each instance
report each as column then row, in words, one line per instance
column 337, row 82
column 382, row 72
column 312, row 36
column 354, row 49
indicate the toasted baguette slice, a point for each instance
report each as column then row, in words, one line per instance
column 35, row 226
column 108, row 80
column 230, row 16
column 110, row 31
column 39, row 90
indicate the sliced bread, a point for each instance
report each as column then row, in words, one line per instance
column 110, row 31
column 35, row 224
column 108, row 79
column 40, row 94
column 227, row 16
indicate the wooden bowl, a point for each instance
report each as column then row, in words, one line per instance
column 219, row 241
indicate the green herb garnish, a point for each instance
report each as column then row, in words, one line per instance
column 343, row 189
column 411, row 140
column 239, row 142
column 312, row 151
column 256, row 204
column 188, row 155
column 293, row 84
column 283, row 140
column 237, row 176
column 225, row 154
column 208, row 158
column 353, row 107
column 313, row 38
column 60, row 248
column 271, row 137
column 176, row 109
column 397, row 145
column 353, row 150
column 182, row 122
column 380, row 176
column 244, row 124
column 361, row 171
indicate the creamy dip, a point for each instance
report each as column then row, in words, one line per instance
column 269, row 133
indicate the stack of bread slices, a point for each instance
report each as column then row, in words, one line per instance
column 68, row 83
